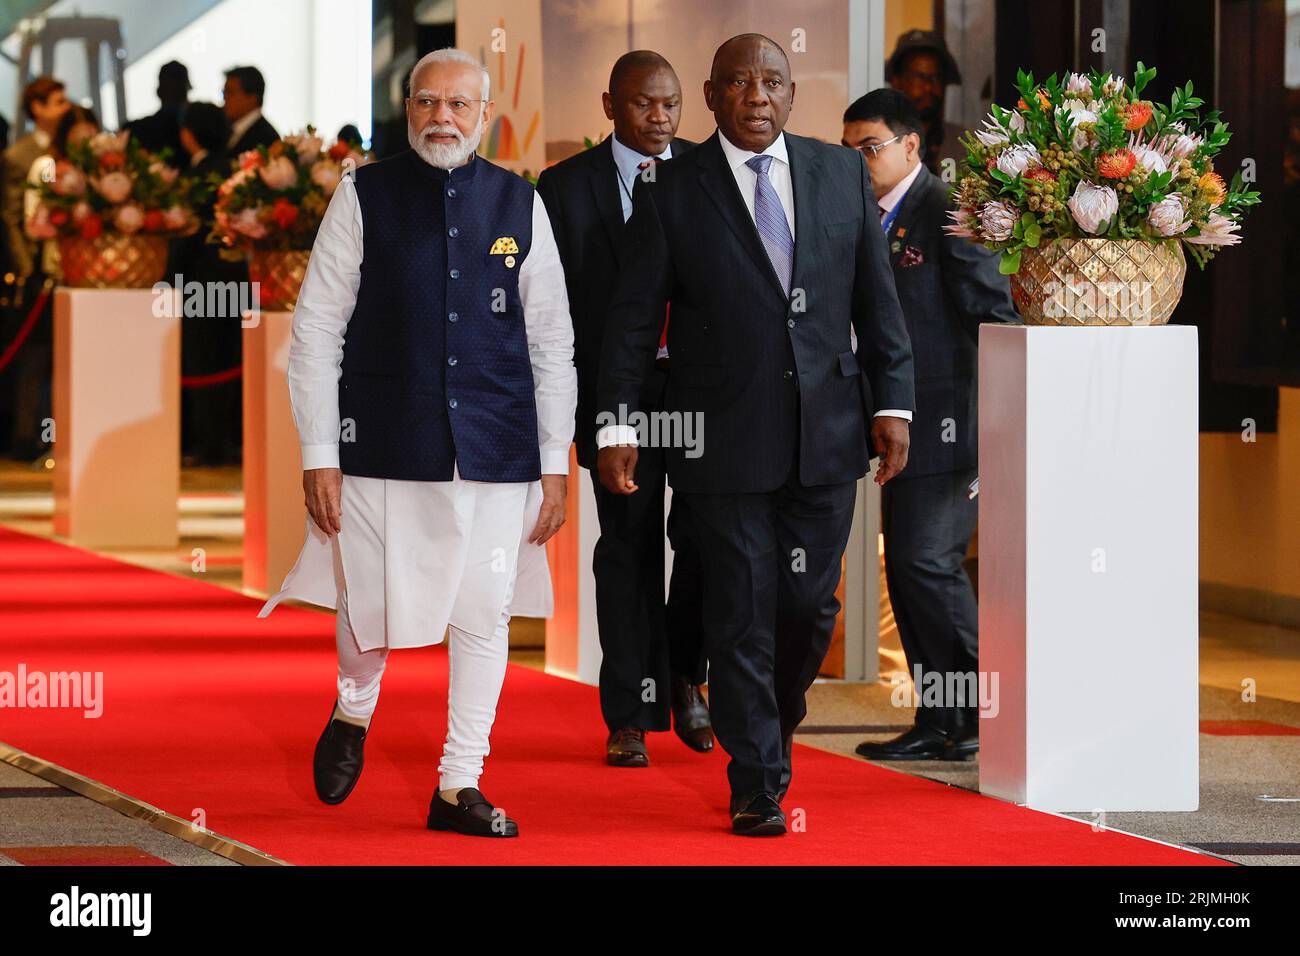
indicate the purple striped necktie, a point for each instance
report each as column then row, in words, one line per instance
column 773, row 227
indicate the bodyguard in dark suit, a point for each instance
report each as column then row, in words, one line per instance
column 211, row 344
column 242, row 103
column 588, row 198
column 769, row 248
column 947, row 287
column 162, row 130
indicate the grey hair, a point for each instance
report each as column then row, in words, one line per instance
column 448, row 55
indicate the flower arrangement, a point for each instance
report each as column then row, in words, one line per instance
column 1090, row 159
column 109, row 182
column 276, row 197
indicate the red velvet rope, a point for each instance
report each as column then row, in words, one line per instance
column 216, row 378
column 28, row 323
column 187, row 381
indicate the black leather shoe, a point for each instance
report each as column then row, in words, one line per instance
column 691, row 715
column 626, row 748
column 787, row 766
column 758, row 815
column 918, row 743
column 964, row 748
column 340, row 754
column 473, row 815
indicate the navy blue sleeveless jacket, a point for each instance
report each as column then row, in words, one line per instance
column 435, row 361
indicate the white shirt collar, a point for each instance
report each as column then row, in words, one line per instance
column 892, row 198
column 737, row 157
column 240, row 126
column 628, row 160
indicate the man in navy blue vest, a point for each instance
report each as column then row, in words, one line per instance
column 432, row 382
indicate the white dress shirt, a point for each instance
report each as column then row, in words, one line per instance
column 241, row 126
column 889, row 200
column 778, row 172
column 329, row 294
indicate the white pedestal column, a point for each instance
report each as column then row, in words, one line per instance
column 1088, row 567
column 274, row 512
column 116, row 404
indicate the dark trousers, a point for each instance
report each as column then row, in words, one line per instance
column 32, row 370
column 770, row 563
column 927, row 523
column 642, row 636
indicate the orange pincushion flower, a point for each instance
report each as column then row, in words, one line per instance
column 1117, row 164
column 1041, row 173
column 1137, row 115
column 1213, row 186
column 1044, row 101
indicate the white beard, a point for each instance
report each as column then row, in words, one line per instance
column 445, row 155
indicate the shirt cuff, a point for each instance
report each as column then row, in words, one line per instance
column 895, row 413
column 555, row 461
column 615, row 435
column 320, row 456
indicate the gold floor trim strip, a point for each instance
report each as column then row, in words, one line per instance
column 126, row 805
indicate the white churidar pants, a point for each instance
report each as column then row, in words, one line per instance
column 416, row 560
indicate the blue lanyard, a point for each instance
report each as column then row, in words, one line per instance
column 888, row 221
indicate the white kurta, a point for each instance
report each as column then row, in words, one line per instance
column 416, row 556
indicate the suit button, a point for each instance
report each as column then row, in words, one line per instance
column 452, row 316
column 451, row 360
column 455, row 273
column 790, row 322
column 451, row 402
column 451, row 192
column 453, row 232
column 787, row 375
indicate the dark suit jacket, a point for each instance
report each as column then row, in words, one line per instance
column 773, row 377
column 261, row 133
column 586, row 211
column 159, row 131
column 945, row 296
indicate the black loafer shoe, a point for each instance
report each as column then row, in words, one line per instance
column 340, row 754
column 787, row 767
column 626, row 748
column 758, row 815
column 964, row 748
column 919, row 743
column 691, row 715
column 473, row 815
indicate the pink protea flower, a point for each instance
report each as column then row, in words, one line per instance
column 997, row 220
column 1218, row 231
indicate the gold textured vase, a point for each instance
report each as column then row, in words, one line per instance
column 279, row 275
column 113, row 260
column 1099, row 282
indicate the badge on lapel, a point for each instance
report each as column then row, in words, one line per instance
column 895, row 246
column 505, row 246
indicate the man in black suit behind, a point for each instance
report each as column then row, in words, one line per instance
column 589, row 197
column 769, row 248
column 162, row 130
column 241, row 99
column 947, row 286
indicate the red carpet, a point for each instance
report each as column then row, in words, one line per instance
column 209, row 710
